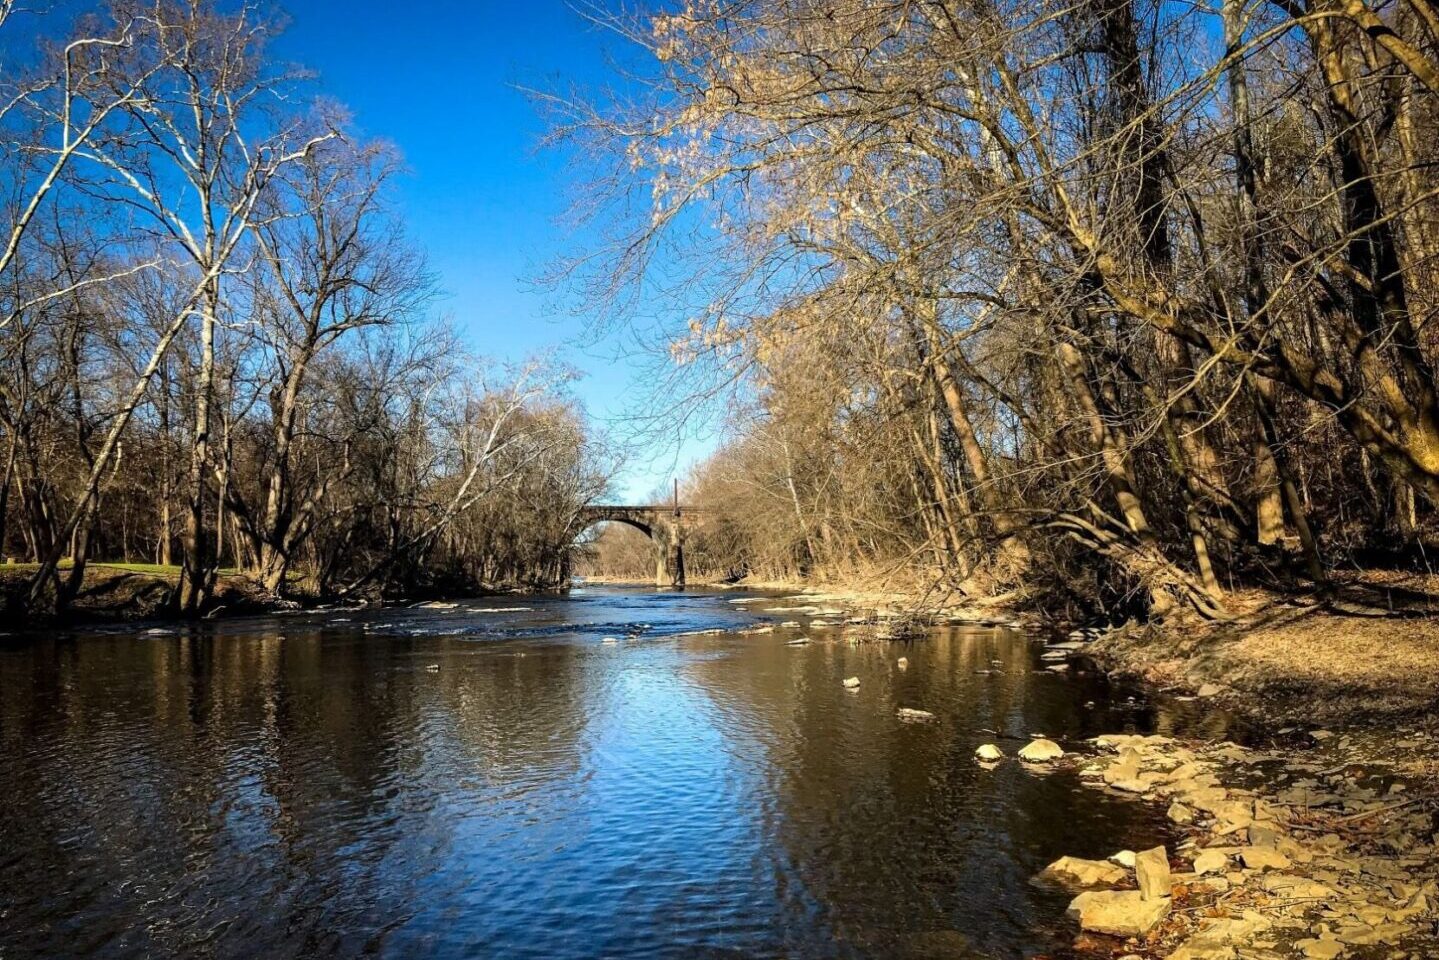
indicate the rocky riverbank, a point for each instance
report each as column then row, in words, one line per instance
column 1322, row 847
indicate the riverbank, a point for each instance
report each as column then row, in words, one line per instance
column 126, row 592
column 1368, row 654
column 135, row 592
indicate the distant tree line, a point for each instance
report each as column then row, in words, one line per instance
column 1129, row 298
column 216, row 348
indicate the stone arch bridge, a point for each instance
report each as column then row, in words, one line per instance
column 667, row 526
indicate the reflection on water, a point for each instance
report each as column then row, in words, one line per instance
column 506, row 784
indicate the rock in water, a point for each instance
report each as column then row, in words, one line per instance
column 1074, row 873
column 902, row 663
column 1040, row 751
column 909, row 713
column 988, row 753
column 1119, row 913
column 851, row 683
column 1151, row 869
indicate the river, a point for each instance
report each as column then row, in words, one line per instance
column 497, row 780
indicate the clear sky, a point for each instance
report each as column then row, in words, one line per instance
column 440, row 78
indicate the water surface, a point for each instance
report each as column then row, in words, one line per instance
column 496, row 780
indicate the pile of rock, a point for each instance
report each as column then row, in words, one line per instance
column 1106, row 904
column 1273, row 872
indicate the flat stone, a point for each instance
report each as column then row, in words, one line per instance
column 851, row 683
column 1205, row 798
column 1180, row 814
column 1295, row 888
column 1216, row 939
column 1151, row 869
column 1263, row 858
column 1197, row 948
column 1210, row 861
column 1264, row 834
column 910, row 713
column 1119, row 913
column 1040, row 751
column 1363, row 934
column 1321, row 949
column 1075, row 873
column 1209, row 690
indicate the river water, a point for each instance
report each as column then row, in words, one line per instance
column 497, row 780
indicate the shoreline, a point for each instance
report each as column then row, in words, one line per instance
column 122, row 594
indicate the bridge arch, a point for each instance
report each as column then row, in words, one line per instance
column 666, row 526
column 591, row 518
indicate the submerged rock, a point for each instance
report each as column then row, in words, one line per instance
column 1040, row 751
column 851, row 683
column 902, row 663
column 909, row 713
column 1119, row 913
column 1076, row 873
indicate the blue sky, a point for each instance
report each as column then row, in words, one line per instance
column 440, row 78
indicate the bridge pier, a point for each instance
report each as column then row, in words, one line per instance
column 669, row 555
